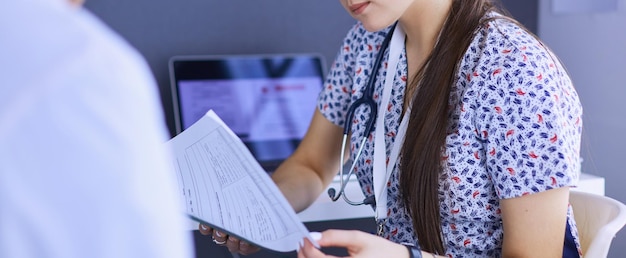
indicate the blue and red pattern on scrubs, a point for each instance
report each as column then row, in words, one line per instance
column 514, row 129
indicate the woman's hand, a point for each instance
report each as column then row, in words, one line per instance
column 233, row 244
column 358, row 244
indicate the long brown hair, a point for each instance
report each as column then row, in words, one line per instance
column 426, row 132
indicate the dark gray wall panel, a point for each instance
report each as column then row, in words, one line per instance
column 160, row 29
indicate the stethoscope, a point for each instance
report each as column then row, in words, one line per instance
column 368, row 101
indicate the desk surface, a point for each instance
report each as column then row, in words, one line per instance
column 325, row 209
column 590, row 184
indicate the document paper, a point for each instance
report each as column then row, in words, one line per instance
column 225, row 187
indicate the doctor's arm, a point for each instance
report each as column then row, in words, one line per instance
column 534, row 225
column 314, row 164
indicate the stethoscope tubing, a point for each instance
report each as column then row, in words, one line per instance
column 343, row 184
column 368, row 100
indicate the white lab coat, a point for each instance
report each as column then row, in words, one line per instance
column 83, row 169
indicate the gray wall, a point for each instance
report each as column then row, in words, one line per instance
column 160, row 29
column 593, row 48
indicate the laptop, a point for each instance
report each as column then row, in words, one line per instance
column 267, row 100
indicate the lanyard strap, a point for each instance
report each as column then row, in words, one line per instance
column 382, row 168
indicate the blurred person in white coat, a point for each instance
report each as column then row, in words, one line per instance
column 83, row 169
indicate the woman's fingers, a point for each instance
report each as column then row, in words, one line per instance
column 219, row 237
column 340, row 238
column 205, row 230
column 246, row 248
column 359, row 244
column 233, row 244
column 309, row 251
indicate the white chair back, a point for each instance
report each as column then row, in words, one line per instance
column 598, row 219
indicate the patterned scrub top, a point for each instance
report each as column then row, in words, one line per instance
column 514, row 129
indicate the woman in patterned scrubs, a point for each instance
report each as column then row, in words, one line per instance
column 492, row 144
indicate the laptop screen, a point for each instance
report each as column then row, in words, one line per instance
column 268, row 101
